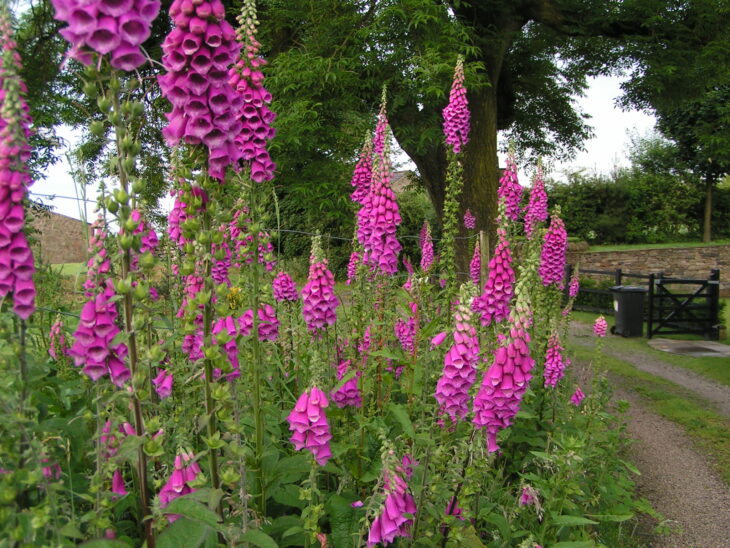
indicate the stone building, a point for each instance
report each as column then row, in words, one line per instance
column 59, row 239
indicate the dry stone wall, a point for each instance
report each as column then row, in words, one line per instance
column 677, row 262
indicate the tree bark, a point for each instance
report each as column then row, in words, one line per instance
column 707, row 224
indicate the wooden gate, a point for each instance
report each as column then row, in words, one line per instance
column 682, row 305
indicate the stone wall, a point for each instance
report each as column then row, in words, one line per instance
column 60, row 239
column 676, row 262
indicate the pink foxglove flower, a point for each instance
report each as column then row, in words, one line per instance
column 574, row 286
column 554, row 362
column 225, row 331
column 107, row 27
column 352, row 267
column 284, row 288
column 469, row 220
column 426, row 247
column 493, row 304
column 438, row 339
column 57, row 346
column 577, row 397
column 206, row 108
column 185, row 472
column 378, row 220
column 452, row 389
column 349, row 393
column 16, row 258
column 394, row 518
column 93, row 347
column 380, row 140
column 505, row 382
column 456, row 114
column 554, row 249
column 98, row 265
column 600, row 327
column 475, row 266
column 405, row 330
column 528, row 496
column 363, row 173
column 163, row 384
column 510, row 190
column 255, row 115
column 318, row 295
column 537, row 207
column 309, row 425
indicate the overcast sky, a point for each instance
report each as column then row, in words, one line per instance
column 606, row 150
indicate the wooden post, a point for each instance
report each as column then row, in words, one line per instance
column 650, row 313
column 485, row 253
column 567, row 275
column 617, row 276
column 713, row 292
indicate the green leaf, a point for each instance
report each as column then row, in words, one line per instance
column 186, row 532
column 292, row 469
column 193, row 510
column 570, row 521
column 616, row 518
column 288, row 495
column 70, row 530
column 259, row 538
column 344, row 519
column 574, row 544
column 502, row 524
column 401, row 415
column 468, row 539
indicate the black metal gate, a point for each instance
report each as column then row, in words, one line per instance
column 683, row 305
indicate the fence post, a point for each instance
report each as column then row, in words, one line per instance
column 650, row 312
column 714, row 294
column 618, row 276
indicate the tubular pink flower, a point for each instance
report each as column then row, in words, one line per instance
column 284, row 288
column 163, row 384
column 363, row 173
column 493, row 303
column 247, row 79
column 115, row 27
column 505, row 382
column 554, row 362
column 378, row 220
column 426, row 247
column 349, row 393
column 537, row 207
column 452, row 389
column 318, row 296
column 93, row 348
column 510, row 190
column 16, row 258
column 456, row 114
column 405, row 330
column 98, row 265
column 469, row 220
column 185, row 472
column 309, row 425
column 553, row 256
column 206, row 107
column 352, row 267
column 577, row 397
column 475, row 266
column 600, row 327
column 574, row 286
column 57, row 346
column 393, row 520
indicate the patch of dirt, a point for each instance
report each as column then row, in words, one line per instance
column 718, row 395
column 678, row 481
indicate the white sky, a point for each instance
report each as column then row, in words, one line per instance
column 606, row 150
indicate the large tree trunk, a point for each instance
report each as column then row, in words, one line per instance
column 707, row 224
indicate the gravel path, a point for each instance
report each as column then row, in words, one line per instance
column 678, row 481
column 718, row 395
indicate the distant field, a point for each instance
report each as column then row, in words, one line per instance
column 69, row 269
column 626, row 247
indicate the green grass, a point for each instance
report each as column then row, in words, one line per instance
column 627, row 247
column 717, row 369
column 709, row 432
column 69, row 269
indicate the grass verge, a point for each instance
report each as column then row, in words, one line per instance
column 712, row 368
column 709, row 432
column 627, row 247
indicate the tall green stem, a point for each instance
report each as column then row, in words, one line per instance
column 132, row 345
